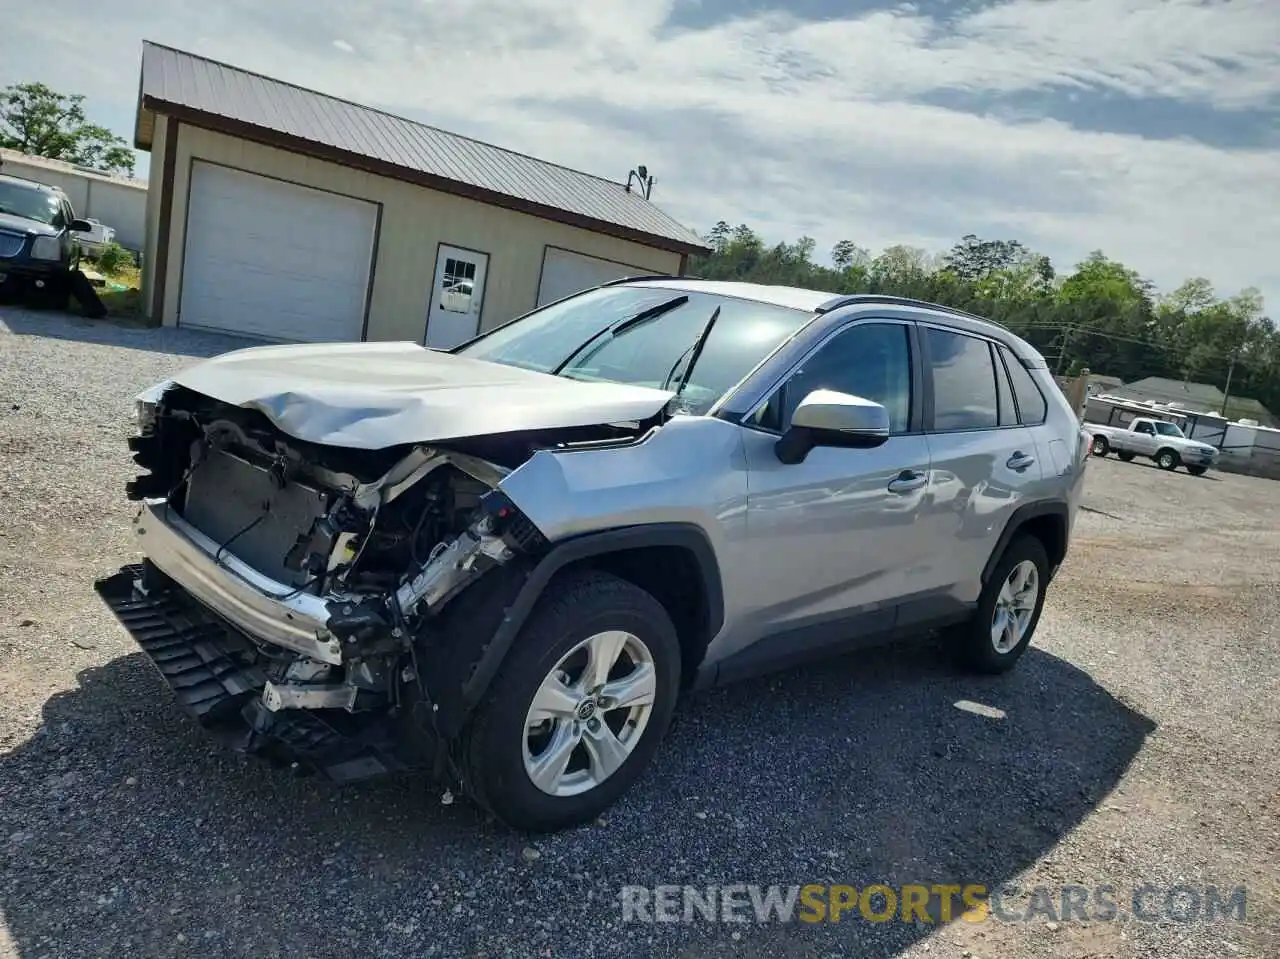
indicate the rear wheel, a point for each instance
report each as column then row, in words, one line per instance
column 1008, row 610
column 1100, row 446
column 1125, row 457
column 1197, row 470
column 1167, row 460
column 579, row 706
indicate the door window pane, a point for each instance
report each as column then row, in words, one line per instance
column 871, row 360
column 1031, row 403
column 964, row 383
column 457, row 285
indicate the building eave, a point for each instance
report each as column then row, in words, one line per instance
column 322, row 151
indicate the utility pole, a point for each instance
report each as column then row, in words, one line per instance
column 1066, row 338
column 1226, row 393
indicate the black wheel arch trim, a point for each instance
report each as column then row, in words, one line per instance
column 683, row 535
column 1021, row 516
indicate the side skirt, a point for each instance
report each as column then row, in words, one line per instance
column 833, row 635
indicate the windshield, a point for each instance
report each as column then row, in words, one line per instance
column 651, row 353
column 25, row 202
column 1168, row 429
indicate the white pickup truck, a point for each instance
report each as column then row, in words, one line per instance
column 1159, row 440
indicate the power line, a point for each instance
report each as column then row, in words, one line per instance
column 1106, row 334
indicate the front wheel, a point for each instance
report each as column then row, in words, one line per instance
column 1008, row 610
column 1167, row 460
column 579, row 706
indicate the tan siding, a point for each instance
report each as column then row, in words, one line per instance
column 415, row 221
column 154, row 188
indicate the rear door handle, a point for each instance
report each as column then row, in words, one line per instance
column 908, row 481
column 1019, row 461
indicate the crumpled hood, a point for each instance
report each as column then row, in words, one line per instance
column 375, row 395
column 12, row 223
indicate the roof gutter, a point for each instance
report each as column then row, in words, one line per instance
column 322, row 151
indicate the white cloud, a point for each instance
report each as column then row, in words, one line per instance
column 343, row 46
column 797, row 126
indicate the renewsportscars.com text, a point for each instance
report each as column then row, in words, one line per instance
column 930, row 903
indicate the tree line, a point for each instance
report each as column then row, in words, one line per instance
column 42, row 122
column 1101, row 316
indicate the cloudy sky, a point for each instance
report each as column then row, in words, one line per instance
column 1147, row 128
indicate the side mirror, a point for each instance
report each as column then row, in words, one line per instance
column 81, row 226
column 828, row 418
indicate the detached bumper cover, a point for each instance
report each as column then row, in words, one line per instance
column 214, row 673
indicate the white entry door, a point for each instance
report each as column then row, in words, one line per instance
column 456, row 297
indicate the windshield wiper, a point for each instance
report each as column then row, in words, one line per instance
column 696, row 353
column 619, row 328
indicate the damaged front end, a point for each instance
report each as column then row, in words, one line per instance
column 322, row 607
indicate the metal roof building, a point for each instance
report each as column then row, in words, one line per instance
column 288, row 214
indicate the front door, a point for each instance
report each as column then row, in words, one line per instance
column 831, row 539
column 457, row 296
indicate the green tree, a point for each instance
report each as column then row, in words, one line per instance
column 37, row 120
column 846, row 254
column 1103, row 315
column 974, row 259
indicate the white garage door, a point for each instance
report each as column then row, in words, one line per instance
column 274, row 260
column 565, row 273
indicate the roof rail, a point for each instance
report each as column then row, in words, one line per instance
column 647, row 276
column 851, row 299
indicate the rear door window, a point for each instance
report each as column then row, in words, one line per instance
column 964, row 382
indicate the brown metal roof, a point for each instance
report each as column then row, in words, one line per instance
column 211, row 94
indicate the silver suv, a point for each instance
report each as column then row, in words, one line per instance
column 503, row 563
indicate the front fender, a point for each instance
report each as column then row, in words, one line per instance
column 570, row 551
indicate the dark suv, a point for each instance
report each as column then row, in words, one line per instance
column 38, row 248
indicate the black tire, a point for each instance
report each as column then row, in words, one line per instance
column 1197, row 470
column 972, row 640
column 1168, row 459
column 1100, row 446
column 1125, row 456
column 573, row 608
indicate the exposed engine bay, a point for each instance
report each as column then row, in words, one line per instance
column 387, row 573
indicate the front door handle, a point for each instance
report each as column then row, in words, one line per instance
column 908, row 481
column 1019, row 461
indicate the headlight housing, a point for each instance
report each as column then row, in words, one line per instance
column 46, row 248
column 145, row 405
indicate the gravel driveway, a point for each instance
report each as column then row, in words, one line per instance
column 1141, row 744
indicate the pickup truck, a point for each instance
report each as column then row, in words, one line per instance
column 95, row 240
column 1159, row 440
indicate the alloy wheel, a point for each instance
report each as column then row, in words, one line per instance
column 589, row 713
column 1015, row 606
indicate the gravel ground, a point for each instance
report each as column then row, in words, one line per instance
column 1140, row 745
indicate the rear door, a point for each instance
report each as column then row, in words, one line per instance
column 983, row 461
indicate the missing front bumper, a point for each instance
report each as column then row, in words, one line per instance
column 274, row 611
column 216, row 676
